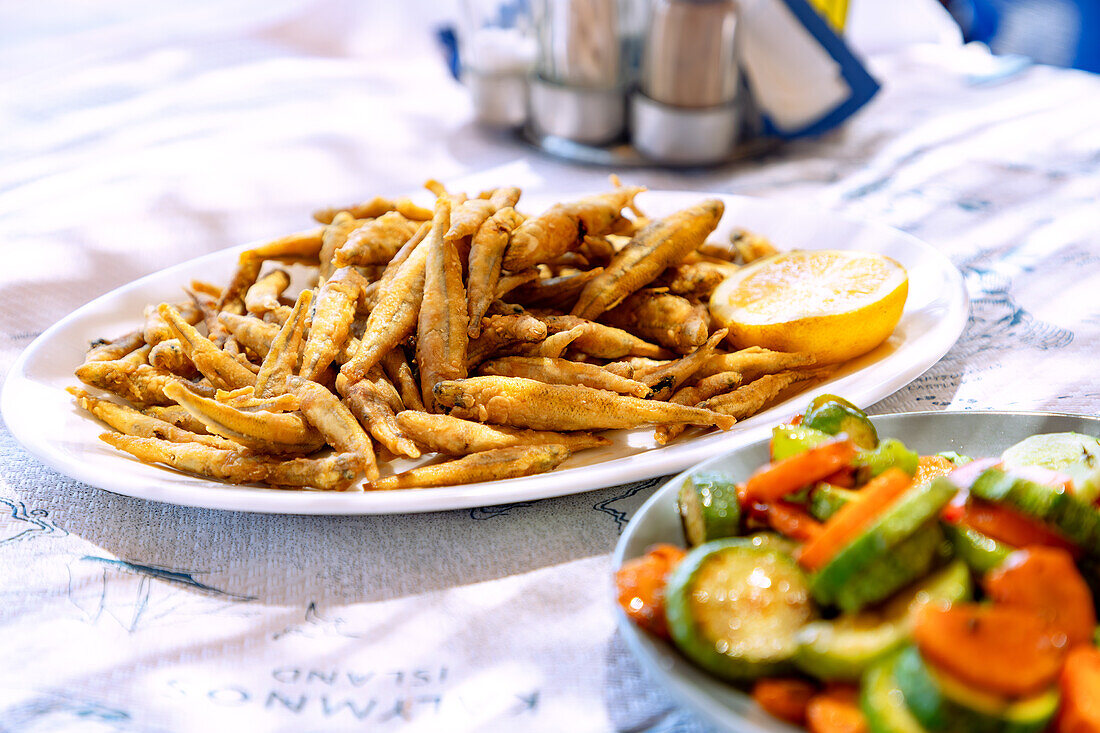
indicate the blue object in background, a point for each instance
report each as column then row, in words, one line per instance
column 1056, row 32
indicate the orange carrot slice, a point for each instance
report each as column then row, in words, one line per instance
column 776, row 480
column 793, row 522
column 1001, row 649
column 878, row 494
column 1080, row 681
column 641, row 586
column 784, row 697
column 1009, row 526
column 930, row 467
column 1045, row 581
column 836, row 711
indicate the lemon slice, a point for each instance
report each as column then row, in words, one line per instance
column 836, row 304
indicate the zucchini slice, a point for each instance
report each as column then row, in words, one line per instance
column 1074, row 454
column 826, row 499
column 980, row 551
column 1074, row 519
column 943, row 704
column 843, row 648
column 734, row 607
column 834, row 415
column 884, row 708
column 709, row 509
column 890, row 453
column 790, row 440
column 893, row 551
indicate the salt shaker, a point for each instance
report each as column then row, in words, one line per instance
column 686, row 111
column 584, row 67
column 498, row 54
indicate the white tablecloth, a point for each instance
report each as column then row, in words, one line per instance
column 140, row 135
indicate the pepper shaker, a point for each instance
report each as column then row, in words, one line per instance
column 686, row 110
column 584, row 68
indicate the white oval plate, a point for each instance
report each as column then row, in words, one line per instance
column 44, row 419
column 976, row 434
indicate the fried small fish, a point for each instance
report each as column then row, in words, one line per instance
column 664, row 242
column 490, row 465
column 669, row 320
column 526, row 403
column 452, row 436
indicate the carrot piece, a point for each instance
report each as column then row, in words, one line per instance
column 1080, row 711
column 784, row 697
column 1045, row 581
column 836, row 711
column 793, row 522
column 641, row 586
column 1009, row 526
column 930, row 467
column 878, row 494
column 776, row 480
column 845, row 478
column 1001, row 649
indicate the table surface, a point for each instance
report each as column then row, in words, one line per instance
column 133, row 142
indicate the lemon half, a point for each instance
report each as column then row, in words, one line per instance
column 836, row 304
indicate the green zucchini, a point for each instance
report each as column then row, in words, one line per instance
column 906, row 562
column 884, row 708
column 955, row 457
column 898, row 547
column 790, row 440
column 945, row 705
column 1053, row 505
column 709, row 508
column 734, row 608
column 890, row 453
column 979, row 551
column 826, row 499
column 844, row 647
column 1076, row 455
column 834, row 415
column 773, row 541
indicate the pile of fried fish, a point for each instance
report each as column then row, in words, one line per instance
column 500, row 341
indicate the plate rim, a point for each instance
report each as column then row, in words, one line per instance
column 210, row 494
column 683, row 692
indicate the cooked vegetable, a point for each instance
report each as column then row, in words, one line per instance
column 826, row 500
column 836, row 711
column 900, row 543
column 1076, row 455
column 884, row 708
column 763, row 589
column 789, row 440
column 875, row 498
column 641, row 586
column 709, row 508
column 930, row 467
column 793, row 522
column 776, row 480
column 981, row 552
column 844, row 647
column 1056, row 507
column 835, row 415
column 1004, row 524
column 1045, row 581
column 1000, row 649
column 787, row 698
column 890, row 453
column 1080, row 682
column 946, row 705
